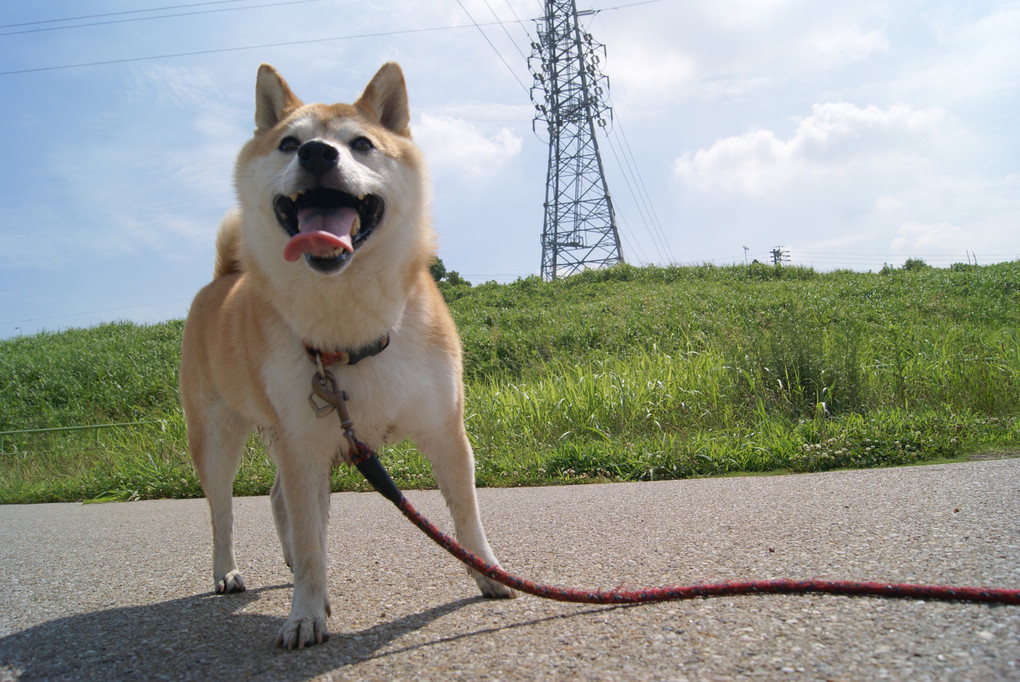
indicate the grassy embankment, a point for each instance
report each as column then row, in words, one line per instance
column 626, row 374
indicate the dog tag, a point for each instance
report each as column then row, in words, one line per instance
column 323, row 386
column 320, row 410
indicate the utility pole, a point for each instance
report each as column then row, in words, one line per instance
column 579, row 230
column 778, row 256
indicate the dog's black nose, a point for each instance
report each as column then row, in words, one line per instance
column 317, row 157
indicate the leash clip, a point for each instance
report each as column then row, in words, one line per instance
column 320, row 381
column 324, row 387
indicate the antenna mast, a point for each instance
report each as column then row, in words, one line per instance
column 579, row 230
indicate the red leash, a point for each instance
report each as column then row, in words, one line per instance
column 324, row 387
column 370, row 467
column 674, row 592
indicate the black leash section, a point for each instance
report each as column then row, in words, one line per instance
column 372, row 469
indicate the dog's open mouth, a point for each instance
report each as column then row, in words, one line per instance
column 326, row 225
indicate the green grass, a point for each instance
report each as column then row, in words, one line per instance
column 622, row 374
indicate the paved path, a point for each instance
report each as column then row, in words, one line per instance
column 119, row 591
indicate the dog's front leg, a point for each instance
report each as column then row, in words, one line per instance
column 304, row 481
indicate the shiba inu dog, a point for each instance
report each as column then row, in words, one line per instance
column 325, row 259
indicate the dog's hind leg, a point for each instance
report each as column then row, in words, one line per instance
column 281, row 520
column 454, row 467
column 278, row 500
column 216, row 438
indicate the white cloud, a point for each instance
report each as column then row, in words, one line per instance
column 843, row 44
column 835, row 139
column 926, row 238
column 734, row 13
column 456, row 145
column 752, row 164
column 894, row 180
column 888, row 204
column 175, row 86
column 838, row 132
column 644, row 72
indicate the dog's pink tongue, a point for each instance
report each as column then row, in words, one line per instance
column 321, row 232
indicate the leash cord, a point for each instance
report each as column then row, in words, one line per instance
column 372, row 469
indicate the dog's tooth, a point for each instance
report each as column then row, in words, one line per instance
column 356, row 225
column 294, row 196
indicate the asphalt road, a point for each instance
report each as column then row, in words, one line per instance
column 122, row 591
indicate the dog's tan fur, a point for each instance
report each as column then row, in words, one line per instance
column 244, row 366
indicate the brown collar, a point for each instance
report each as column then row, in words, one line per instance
column 347, row 356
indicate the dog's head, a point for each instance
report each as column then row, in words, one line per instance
column 319, row 184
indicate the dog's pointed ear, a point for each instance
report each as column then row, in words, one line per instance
column 273, row 98
column 385, row 99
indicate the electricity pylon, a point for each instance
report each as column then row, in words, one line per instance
column 579, row 230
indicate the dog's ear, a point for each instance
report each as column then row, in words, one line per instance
column 385, row 99
column 273, row 98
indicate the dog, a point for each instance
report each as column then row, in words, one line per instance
column 325, row 260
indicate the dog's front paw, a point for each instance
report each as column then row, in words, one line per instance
column 299, row 632
column 231, row 582
column 490, row 588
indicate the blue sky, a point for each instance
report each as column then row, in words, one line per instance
column 850, row 133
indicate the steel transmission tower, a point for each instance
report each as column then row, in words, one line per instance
column 579, row 230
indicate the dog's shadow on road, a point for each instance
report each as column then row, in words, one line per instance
column 204, row 637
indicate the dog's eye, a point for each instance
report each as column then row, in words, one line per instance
column 289, row 144
column 362, row 144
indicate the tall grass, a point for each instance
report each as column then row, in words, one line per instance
column 116, row 372
column 622, row 374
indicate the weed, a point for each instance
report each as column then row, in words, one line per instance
column 622, row 374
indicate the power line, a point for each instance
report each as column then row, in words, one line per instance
column 494, row 48
column 153, row 18
column 640, row 194
column 263, row 46
column 518, row 19
column 503, row 26
column 639, row 191
column 166, row 8
column 632, row 4
column 121, row 13
column 632, row 244
column 637, row 202
column 656, row 223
